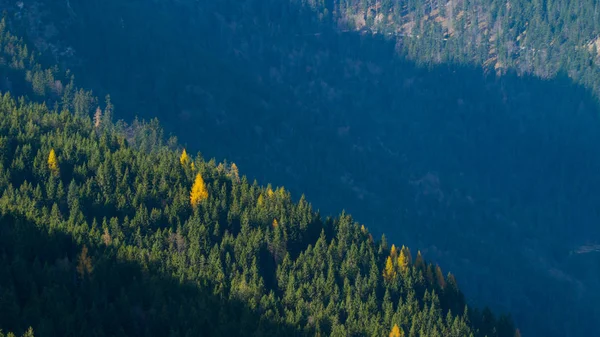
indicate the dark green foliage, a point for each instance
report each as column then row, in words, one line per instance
column 157, row 267
column 494, row 177
column 108, row 245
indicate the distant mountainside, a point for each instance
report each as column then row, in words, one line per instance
column 110, row 230
column 461, row 136
column 542, row 37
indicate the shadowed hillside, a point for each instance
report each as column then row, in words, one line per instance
column 493, row 176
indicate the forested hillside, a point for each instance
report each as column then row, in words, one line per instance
column 109, row 230
column 461, row 136
column 540, row 37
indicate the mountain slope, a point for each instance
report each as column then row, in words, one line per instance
column 470, row 167
column 105, row 229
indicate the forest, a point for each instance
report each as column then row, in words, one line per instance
column 470, row 136
column 108, row 229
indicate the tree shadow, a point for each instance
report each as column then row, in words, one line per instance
column 494, row 177
column 41, row 287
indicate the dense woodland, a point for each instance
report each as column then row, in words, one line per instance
column 465, row 136
column 110, row 230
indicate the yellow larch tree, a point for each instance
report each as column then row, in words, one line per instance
column 53, row 162
column 234, row 173
column 184, row 159
column 98, row 118
column 389, row 273
column 396, row 331
column 403, row 261
column 106, row 238
column 261, row 200
column 440, row 277
column 393, row 251
column 199, row 191
column 275, row 223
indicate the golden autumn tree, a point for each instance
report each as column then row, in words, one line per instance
column 234, row 173
column 389, row 273
column 396, row 331
column 106, row 238
column 199, row 191
column 98, row 118
column 53, row 162
column 261, row 200
column 275, row 223
column 84, row 263
column 393, row 251
column 403, row 261
column 184, row 159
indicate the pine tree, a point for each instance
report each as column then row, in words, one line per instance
column 53, row 162
column 198, row 192
column 419, row 262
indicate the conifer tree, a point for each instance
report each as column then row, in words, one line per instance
column 234, row 173
column 53, row 162
column 389, row 274
column 98, row 118
column 396, row 331
column 261, row 200
column 184, row 159
column 419, row 262
column 403, row 261
column 198, row 192
column 440, row 277
column 84, row 264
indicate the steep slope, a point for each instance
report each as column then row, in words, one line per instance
column 106, row 230
column 530, row 37
column 494, row 177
